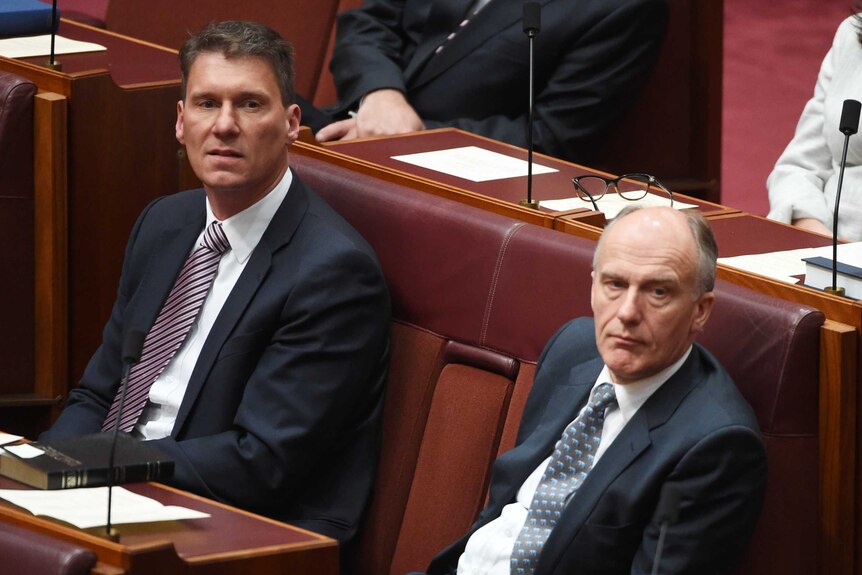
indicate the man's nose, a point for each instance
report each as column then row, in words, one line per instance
column 226, row 120
column 629, row 310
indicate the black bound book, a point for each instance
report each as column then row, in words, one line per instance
column 83, row 462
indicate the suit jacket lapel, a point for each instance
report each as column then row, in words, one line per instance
column 633, row 440
column 563, row 406
column 496, row 16
column 173, row 247
column 443, row 17
column 279, row 232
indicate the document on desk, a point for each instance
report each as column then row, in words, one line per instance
column 33, row 46
column 781, row 266
column 9, row 438
column 611, row 204
column 473, row 163
column 88, row 507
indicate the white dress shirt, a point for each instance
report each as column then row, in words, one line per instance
column 489, row 549
column 243, row 231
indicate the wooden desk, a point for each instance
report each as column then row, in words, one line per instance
column 374, row 155
column 230, row 541
column 121, row 153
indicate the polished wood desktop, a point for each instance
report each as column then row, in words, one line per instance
column 229, row 541
column 374, row 155
column 119, row 151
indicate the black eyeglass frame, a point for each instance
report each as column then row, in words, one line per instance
column 648, row 179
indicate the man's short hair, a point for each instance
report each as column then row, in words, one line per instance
column 237, row 39
column 707, row 248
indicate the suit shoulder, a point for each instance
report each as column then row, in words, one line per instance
column 722, row 401
column 175, row 206
column 573, row 343
column 327, row 224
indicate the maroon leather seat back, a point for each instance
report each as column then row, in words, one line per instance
column 771, row 348
column 445, row 388
column 475, row 298
column 16, row 234
column 26, row 552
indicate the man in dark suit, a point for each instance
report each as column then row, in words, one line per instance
column 671, row 424
column 397, row 67
column 272, row 401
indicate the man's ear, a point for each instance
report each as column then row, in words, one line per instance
column 179, row 126
column 292, row 117
column 702, row 311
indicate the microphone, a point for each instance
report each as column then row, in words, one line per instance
column 667, row 514
column 532, row 20
column 131, row 354
column 52, row 62
column 848, row 125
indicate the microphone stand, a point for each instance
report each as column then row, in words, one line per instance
column 52, row 62
column 132, row 348
column 667, row 514
column 848, row 126
column 532, row 25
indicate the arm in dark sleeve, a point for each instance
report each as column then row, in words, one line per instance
column 88, row 404
column 721, row 481
column 590, row 86
column 369, row 50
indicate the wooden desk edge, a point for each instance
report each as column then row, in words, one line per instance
column 837, row 436
column 423, row 184
column 125, row 556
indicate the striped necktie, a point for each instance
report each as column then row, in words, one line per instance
column 570, row 463
column 172, row 326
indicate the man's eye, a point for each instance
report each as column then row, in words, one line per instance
column 207, row 104
column 252, row 104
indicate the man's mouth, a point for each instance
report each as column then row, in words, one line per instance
column 225, row 153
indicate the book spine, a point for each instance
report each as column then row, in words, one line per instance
column 152, row 471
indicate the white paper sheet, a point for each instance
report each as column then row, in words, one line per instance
column 31, row 46
column 611, row 204
column 473, row 163
column 776, row 265
column 9, row 438
column 24, row 451
column 847, row 253
column 85, row 508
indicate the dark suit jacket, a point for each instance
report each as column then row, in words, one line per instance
column 695, row 434
column 282, row 412
column 591, row 56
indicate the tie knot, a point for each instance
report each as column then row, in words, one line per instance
column 603, row 396
column 215, row 238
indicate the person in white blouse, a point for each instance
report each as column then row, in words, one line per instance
column 802, row 186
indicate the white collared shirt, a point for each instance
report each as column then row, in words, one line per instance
column 489, row 549
column 243, row 231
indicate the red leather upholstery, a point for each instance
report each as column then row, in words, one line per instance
column 475, row 298
column 26, row 552
column 771, row 347
column 16, row 233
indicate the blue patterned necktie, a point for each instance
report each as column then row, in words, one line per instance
column 570, row 463
column 172, row 326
